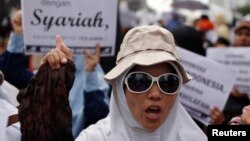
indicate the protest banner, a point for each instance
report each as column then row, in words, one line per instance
column 236, row 58
column 81, row 23
column 210, row 86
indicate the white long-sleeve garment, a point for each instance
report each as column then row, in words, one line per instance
column 120, row 125
column 7, row 108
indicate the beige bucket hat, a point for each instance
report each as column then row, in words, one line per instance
column 146, row 45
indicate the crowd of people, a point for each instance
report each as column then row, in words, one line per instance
column 137, row 99
column 88, row 69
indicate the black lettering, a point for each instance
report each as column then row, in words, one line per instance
column 60, row 21
column 208, row 82
column 78, row 19
column 71, row 21
column 98, row 18
column 47, row 22
column 37, row 17
column 85, row 22
column 89, row 22
column 55, row 3
column 193, row 65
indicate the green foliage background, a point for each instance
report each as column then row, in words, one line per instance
column 244, row 10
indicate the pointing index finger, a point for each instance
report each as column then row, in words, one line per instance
column 58, row 41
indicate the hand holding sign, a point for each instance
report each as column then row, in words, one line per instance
column 217, row 116
column 59, row 55
column 17, row 22
column 236, row 93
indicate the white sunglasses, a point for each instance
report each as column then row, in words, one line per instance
column 140, row 82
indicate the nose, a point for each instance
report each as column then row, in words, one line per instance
column 154, row 92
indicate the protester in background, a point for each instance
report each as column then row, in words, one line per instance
column 237, row 100
column 242, row 34
column 222, row 42
column 206, row 29
column 5, row 27
column 189, row 38
column 243, row 119
column 221, row 27
column 175, row 21
column 89, row 89
column 204, row 23
column 140, row 108
column 13, row 62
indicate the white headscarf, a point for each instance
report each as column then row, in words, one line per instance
column 120, row 125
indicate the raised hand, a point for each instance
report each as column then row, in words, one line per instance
column 60, row 55
column 92, row 59
column 17, row 22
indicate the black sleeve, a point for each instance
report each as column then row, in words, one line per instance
column 13, row 67
column 95, row 107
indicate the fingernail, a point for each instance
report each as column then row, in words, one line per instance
column 64, row 60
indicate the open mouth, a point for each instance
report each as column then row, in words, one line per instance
column 153, row 112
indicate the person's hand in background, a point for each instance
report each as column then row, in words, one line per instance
column 92, row 59
column 236, row 93
column 16, row 22
column 217, row 116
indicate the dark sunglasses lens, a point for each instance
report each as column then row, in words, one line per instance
column 169, row 83
column 139, row 82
